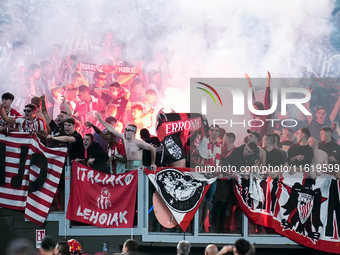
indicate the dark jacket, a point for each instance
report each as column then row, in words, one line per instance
column 97, row 152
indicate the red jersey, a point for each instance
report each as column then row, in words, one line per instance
column 36, row 124
column 83, row 107
column 85, row 112
column 11, row 113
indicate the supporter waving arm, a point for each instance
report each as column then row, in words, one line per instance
column 44, row 109
column 108, row 126
column 95, row 128
column 63, row 138
column 4, row 115
column 335, row 109
column 309, row 117
column 250, row 85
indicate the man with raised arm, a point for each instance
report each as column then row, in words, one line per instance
column 72, row 138
column 7, row 100
column 133, row 147
column 258, row 105
column 29, row 122
column 322, row 118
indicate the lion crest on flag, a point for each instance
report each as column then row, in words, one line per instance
column 303, row 210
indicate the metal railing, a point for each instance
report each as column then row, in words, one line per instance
column 143, row 221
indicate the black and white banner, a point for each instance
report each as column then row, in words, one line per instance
column 303, row 209
column 182, row 191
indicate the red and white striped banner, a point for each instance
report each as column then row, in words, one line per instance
column 29, row 174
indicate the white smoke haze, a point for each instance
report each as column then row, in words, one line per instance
column 201, row 39
column 247, row 36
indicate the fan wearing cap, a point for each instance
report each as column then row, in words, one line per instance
column 254, row 136
column 47, row 246
column 75, row 247
column 29, row 123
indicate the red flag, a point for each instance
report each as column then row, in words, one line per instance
column 100, row 199
column 29, row 174
column 182, row 191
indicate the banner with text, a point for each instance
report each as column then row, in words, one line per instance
column 29, row 174
column 100, row 199
column 177, row 130
column 107, row 68
column 305, row 210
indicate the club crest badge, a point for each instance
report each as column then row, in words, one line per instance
column 304, row 206
column 103, row 200
column 303, row 210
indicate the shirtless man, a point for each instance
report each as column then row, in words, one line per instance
column 320, row 157
column 133, row 147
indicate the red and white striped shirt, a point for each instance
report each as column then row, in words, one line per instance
column 214, row 155
column 84, row 107
column 85, row 111
column 36, row 124
column 11, row 113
